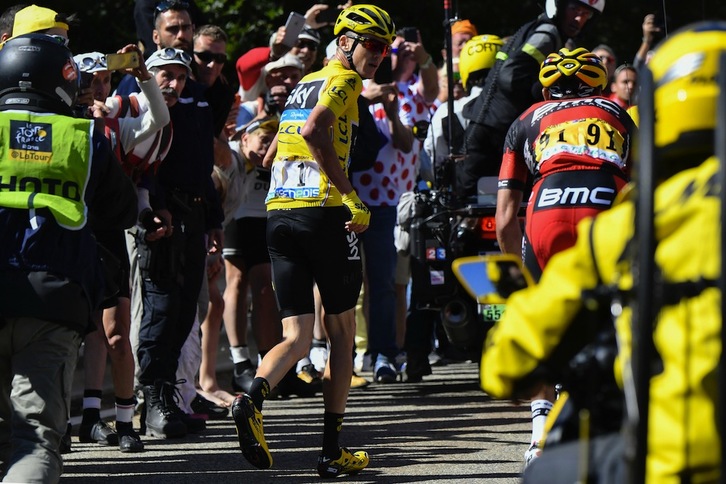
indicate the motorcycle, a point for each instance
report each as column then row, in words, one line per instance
column 442, row 231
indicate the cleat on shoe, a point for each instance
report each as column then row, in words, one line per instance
column 248, row 421
column 348, row 463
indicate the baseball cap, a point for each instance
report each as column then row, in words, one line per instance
column 169, row 55
column 331, row 48
column 36, row 19
column 287, row 60
column 463, row 27
column 269, row 123
column 91, row 62
column 309, row 34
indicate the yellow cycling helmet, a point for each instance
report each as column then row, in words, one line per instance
column 573, row 73
column 367, row 20
column 684, row 68
column 478, row 54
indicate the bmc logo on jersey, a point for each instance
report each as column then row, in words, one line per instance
column 575, row 196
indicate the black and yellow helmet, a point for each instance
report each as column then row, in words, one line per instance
column 573, row 73
column 367, row 20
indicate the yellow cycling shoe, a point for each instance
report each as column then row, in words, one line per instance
column 248, row 421
column 347, row 463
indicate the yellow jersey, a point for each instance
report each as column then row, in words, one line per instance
column 296, row 178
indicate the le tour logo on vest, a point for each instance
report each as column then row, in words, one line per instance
column 31, row 141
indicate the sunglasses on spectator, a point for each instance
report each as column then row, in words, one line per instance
column 207, row 57
column 371, row 45
column 309, row 44
column 174, row 54
column 162, row 7
column 59, row 39
column 88, row 63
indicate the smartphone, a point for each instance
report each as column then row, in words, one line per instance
column 329, row 15
column 115, row 62
column 293, row 27
column 384, row 74
column 410, row 34
column 85, row 80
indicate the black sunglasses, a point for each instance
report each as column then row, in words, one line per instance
column 207, row 57
column 162, row 7
column 301, row 44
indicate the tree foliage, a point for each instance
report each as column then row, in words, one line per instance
column 106, row 25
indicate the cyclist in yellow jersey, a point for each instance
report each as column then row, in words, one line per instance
column 314, row 216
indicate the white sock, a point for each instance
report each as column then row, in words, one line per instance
column 540, row 410
column 239, row 353
column 92, row 402
column 124, row 413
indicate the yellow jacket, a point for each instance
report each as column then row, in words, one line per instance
column 682, row 421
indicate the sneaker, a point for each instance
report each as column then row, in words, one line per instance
column 98, row 432
column 291, row 384
column 202, row 406
column 532, row 453
column 128, row 440
column 243, row 375
column 319, row 357
column 310, row 374
column 358, row 382
column 385, row 371
column 248, row 421
column 347, row 463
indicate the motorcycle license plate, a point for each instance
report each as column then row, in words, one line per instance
column 492, row 312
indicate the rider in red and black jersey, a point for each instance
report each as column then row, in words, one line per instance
column 573, row 149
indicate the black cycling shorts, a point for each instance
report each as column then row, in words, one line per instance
column 311, row 245
column 245, row 239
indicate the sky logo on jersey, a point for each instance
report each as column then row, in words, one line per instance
column 31, row 141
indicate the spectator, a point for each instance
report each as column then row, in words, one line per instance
column 7, row 19
column 544, row 323
column 170, row 289
column 651, row 30
column 210, row 55
column 625, row 86
column 279, row 77
column 112, row 337
column 173, row 27
column 51, row 274
column 397, row 108
column 145, row 16
column 513, row 86
column 461, row 32
column 313, row 218
column 607, row 55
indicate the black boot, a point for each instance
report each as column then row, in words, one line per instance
column 160, row 414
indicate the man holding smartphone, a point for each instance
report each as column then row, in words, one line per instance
column 396, row 108
column 314, row 216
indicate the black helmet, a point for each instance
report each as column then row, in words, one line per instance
column 37, row 70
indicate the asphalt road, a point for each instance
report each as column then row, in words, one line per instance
column 442, row 430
